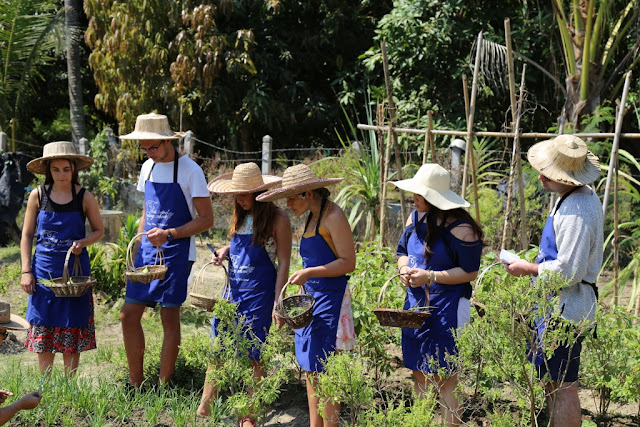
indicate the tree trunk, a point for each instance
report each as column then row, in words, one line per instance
column 73, row 9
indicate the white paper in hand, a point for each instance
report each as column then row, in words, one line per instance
column 507, row 257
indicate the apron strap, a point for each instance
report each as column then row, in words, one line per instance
column 175, row 167
column 562, row 199
column 322, row 206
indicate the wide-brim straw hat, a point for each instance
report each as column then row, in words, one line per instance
column 245, row 178
column 433, row 182
column 297, row 179
column 151, row 126
column 11, row 321
column 59, row 150
column 565, row 159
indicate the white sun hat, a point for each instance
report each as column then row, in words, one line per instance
column 433, row 182
column 565, row 159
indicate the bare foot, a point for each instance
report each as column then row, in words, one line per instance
column 204, row 410
column 247, row 422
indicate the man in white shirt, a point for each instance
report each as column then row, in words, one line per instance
column 177, row 206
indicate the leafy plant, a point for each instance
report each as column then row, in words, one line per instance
column 345, row 380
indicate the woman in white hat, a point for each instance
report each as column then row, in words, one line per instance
column 58, row 210
column 328, row 255
column 259, row 255
column 439, row 252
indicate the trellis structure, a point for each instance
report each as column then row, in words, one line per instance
column 516, row 134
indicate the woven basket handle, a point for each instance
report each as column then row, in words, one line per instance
column 284, row 288
column 159, row 260
column 384, row 288
column 200, row 279
column 65, row 268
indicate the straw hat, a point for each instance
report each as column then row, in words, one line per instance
column 245, row 178
column 59, row 150
column 151, row 126
column 295, row 180
column 433, row 182
column 11, row 321
column 565, row 159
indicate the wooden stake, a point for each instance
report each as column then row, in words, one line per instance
column 616, row 142
column 392, row 120
column 381, row 187
column 513, row 170
column 469, row 153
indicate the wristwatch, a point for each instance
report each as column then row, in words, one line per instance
column 169, row 237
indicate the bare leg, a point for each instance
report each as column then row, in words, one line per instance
column 419, row 384
column 564, row 404
column 170, row 344
column 331, row 410
column 71, row 362
column 45, row 361
column 449, row 403
column 133, row 337
column 210, row 391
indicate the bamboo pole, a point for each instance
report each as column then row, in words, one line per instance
column 536, row 135
column 392, row 120
column 616, row 233
column 469, row 152
column 381, row 150
column 428, row 140
column 616, row 142
column 383, row 199
column 465, row 93
column 515, row 159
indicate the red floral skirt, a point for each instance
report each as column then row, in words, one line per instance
column 58, row 339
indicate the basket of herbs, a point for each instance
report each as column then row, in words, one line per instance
column 412, row 318
column 296, row 310
column 146, row 273
column 201, row 295
column 74, row 285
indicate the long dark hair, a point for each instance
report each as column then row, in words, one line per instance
column 264, row 216
column 48, row 178
column 434, row 230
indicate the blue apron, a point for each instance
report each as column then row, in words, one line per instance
column 253, row 285
column 56, row 233
column 165, row 207
column 427, row 348
column 548, row 251
column 317, row 340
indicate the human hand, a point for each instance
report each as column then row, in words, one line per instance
column 76, row 248
column 28, row 283
column 299, row 277
column 220, row 255
column 3, row 395
column 520, row 267
column 276, row 319
column 157, row 236
column 416, row 277
column 30, row 400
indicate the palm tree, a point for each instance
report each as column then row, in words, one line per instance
column 29, row 31
column 74, row 36
column 592, row 32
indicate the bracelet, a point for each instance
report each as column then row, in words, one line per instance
column 27, row 272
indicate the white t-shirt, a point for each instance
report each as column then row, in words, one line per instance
column 191, row 180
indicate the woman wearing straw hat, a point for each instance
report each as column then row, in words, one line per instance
column 259, row 255
column 438, row 252
column 328, row 255
column 58, row 209
column 571, row 245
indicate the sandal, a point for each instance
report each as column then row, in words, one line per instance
column 252, row 421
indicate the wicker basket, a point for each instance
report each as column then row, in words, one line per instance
column 302, row 300
column 400, row 318
column 146, row 273
column 75, row 285
column 206, row 302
